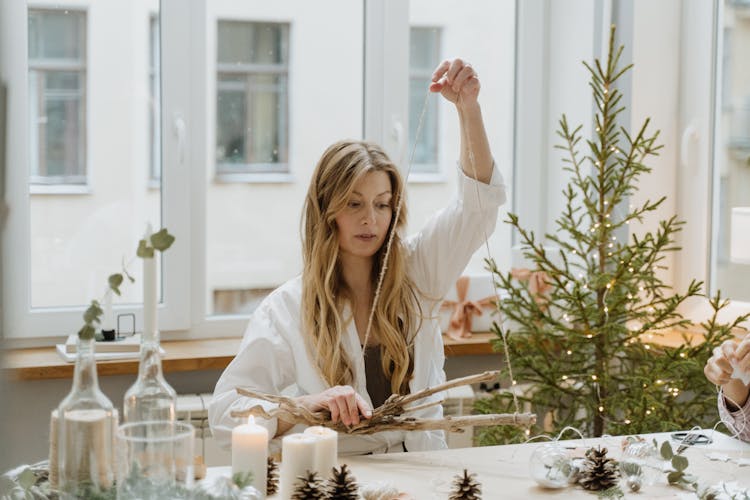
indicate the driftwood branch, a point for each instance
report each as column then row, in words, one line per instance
column 388, row 416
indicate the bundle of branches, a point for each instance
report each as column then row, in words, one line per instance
column 390, row 415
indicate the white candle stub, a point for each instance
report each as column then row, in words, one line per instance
column 326, row 449
column 297, row 458
column 250, row 452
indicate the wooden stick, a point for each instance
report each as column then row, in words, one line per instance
column 372, row 425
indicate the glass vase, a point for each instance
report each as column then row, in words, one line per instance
column 150, row 398
column 85, row 429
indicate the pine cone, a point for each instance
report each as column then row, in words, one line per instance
column 466, row 487
column 341, row 486
column 599, row 472
column 309, row 487
column 272, row 477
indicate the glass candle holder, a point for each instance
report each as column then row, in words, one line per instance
column 155, row 459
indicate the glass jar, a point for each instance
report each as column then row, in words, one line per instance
column 150, row 398
column 85, row 430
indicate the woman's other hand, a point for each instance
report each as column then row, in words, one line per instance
column 456, row 78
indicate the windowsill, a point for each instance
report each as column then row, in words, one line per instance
column 66, row 189
column 256, row 178
column 43, row 363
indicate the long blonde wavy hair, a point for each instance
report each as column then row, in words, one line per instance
column 324, row 293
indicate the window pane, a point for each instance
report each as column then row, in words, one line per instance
column 424, row 57
column 733, row 160
column 251, row 97
column 283, row 93
column 252, row 42
column 57, row 34
column 91, row 124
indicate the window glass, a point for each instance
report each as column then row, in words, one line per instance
column 424, row 54
column 281, row 92
column 251, row 97
column 732, row 262
column 93, row 146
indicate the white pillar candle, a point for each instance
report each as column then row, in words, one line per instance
column 250, row 452
column 149, row 293
column 297, row 457
column 326, row 449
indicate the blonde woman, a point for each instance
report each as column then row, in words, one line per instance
column 310, row 336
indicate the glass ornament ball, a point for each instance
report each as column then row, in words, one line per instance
column 550, row 465
column 640, row 464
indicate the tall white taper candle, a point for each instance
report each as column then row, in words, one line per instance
column 150, row 321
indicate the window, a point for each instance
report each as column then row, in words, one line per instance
column 247, row 91
column 252, row 97
column 57, row 96
column 731, row 256
column 424, row 53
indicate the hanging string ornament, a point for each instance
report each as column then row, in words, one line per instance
column 550, row 465
column 309, row 487
column 466, row 487
column 599, row 471
column 341, row 485
column 640, row 464
column 272, row 477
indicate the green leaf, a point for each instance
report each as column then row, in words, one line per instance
column 144, row 251
column 115, row 280
column 242, row 479
column 27, row 478
column 679, row 462
column 93, row 313
column 87, row 332
column 666, row 451
column 674, row 477
column 162, row 240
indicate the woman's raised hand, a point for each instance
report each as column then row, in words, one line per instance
column 719, row 368
column 456, row 78
column 342, row 401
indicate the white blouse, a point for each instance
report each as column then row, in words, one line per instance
column 273, row 357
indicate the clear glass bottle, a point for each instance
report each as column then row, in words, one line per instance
column 150, row 397
column 86, row 423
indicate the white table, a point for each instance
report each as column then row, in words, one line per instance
column 503, row 471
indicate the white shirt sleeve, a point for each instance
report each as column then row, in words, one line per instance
column 439, row 253
column 265, row 363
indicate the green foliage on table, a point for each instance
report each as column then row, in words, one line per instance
column 161, row 241
column 579, row 350
column 678, row 476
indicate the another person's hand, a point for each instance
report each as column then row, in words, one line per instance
column 342, row 401
column 456, row 78
column 721, row 365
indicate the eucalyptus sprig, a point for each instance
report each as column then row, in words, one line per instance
column 158, row 241
column 678, row 477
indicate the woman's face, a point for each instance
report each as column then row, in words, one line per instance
column 363, row 223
